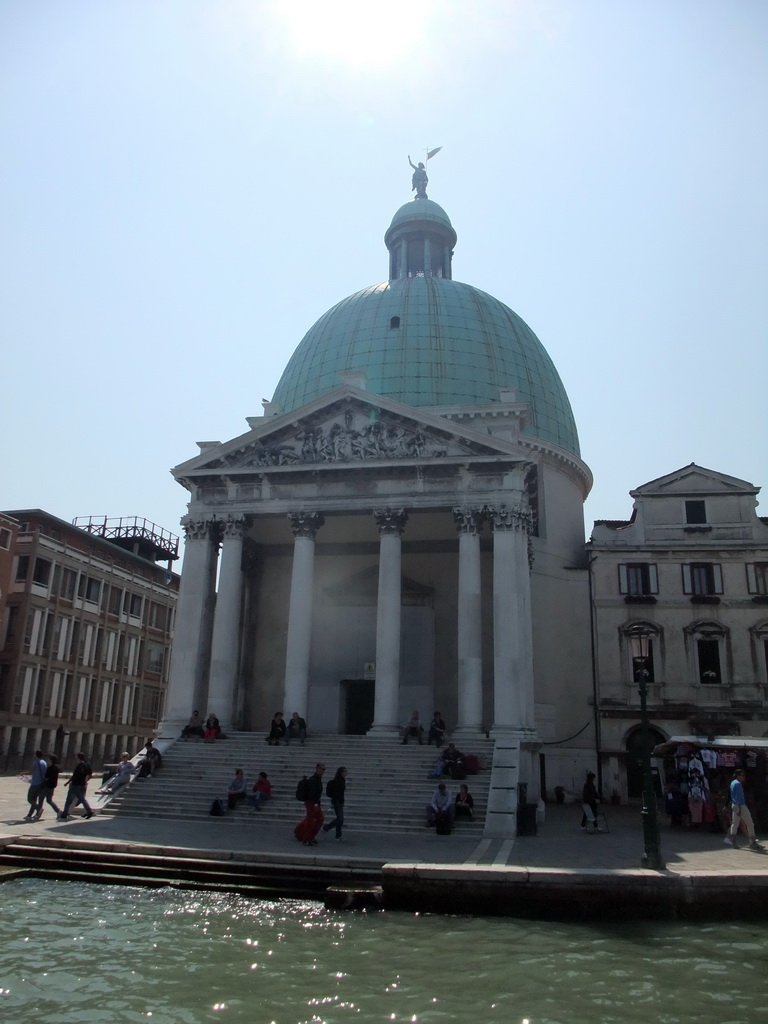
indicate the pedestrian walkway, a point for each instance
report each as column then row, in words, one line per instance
column 559, row 844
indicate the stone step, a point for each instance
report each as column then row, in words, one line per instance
column 252, row 875
column 388, row 785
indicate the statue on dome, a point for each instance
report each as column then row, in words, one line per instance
column 419, row 180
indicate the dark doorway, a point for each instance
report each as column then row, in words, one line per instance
column 358, row 705
column 635, row 762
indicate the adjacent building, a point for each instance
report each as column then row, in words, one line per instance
column 86, row 621
column 679, row 596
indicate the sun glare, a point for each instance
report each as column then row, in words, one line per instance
column 360, row 33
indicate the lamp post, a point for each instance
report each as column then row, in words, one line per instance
column 652, row 857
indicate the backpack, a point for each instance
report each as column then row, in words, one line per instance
column 330, row 788
column 217, row 808
column 301, row 789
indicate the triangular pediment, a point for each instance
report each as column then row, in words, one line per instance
column 346, row 428
column 694, row 480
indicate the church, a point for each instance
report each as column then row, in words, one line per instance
column 402, row 528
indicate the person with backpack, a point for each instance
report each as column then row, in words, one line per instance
column 50, row 782
column 310, row 792
column 78, row 784
column 335, row 792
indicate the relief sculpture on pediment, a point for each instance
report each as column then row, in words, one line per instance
column 341, row 441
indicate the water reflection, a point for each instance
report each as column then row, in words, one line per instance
column 80, row 953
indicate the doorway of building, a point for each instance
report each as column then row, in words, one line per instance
column 358, row 705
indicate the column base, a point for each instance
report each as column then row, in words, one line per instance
column 467, row 733
column 384, row 731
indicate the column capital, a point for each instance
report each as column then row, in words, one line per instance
column 469, row 520
column 503, row 518
column 197, row 529
column 390, row 520
column 233, row 527
column 306, row 524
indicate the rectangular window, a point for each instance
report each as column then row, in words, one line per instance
column 89, row 589
column 638, row 579
column 709, row 662
column 5, row 538
column 73, row 642
column 150, row 703
column 695, row 513
column 159, row 616
column 702, row 578
column 42, row 572
column 115, row 600
column 155, row 658
column 67, row 587
column 132, row 605
column 13, row 620
column 22, row 568
column 757, row 578
column 32, row 631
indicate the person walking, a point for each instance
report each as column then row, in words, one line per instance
column 335, row 791
column 50, row 783
column 312, row 822
column 740, row 814
column 36, row 792
column 78, row 784
column 589, row 798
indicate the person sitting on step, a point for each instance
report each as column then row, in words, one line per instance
column 262, row 791
column 413, row 727
column 297, row 728
column 236, row 789
column 436, row 730
column 277, row 730
column 464, row 805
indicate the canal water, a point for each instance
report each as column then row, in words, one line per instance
column 73, row 953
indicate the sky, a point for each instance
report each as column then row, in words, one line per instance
column 186, row 186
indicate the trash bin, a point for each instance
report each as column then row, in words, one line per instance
column 526, row 819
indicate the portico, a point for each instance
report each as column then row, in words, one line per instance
column 293, row 552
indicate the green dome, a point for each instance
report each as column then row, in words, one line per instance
column 420, row 211
column 430, row 341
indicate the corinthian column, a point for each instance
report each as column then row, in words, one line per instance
column 189, row 659
column 225, row 646
column 390, row 523
column 304, row 525
column 512, row 641
column 470, row 665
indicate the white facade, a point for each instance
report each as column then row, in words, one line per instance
column 443, row 558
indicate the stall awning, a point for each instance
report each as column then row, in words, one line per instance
column 719, row 742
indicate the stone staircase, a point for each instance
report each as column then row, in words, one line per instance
column 387, row 785
column 259, row 875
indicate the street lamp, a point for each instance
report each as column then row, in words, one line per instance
column 652, row 857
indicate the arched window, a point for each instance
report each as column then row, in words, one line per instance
column 760, row 648
column 394, row 323
column 708, row 652
column 642, row 643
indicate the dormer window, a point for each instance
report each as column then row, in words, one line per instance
column 695, row 513
column 394, row 323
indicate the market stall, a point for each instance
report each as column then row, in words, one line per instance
column 697, row 773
